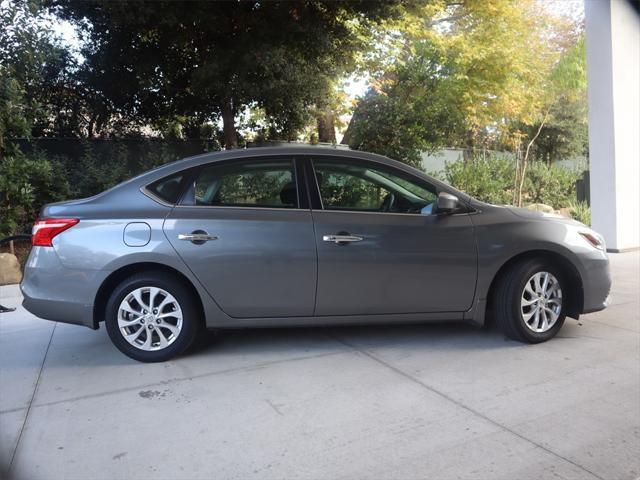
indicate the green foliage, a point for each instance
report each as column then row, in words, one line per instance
column 416, row 114
column 565, row 133
column 454, row 74
column 581, row 212
column 40, row 94
column 25, row 184
column 550, row 185
column 492, row 180
column 101, row 165
column 155, row 60
column 30, row 180
column 13, row 121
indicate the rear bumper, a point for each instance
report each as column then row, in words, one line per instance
column 53, row 292
column 60, row 311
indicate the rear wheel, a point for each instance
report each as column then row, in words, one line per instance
column 529, row 301
column 150, row 318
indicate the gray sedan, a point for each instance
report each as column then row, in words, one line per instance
column 284, row 236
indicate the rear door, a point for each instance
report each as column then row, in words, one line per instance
column 245, row 230
column 381, row 250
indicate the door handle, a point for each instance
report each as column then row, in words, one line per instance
column 346, row 238
column 197, row 237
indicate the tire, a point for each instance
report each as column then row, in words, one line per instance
column 517, row 288
column 178, row 321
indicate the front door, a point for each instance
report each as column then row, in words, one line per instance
column 381, row 250
column 242, row 232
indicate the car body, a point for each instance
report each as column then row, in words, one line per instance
column 348, row 238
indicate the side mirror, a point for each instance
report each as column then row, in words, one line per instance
column 446, row 203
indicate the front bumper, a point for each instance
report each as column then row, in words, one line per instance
column 596, row 283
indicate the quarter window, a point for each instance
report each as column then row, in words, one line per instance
column 169, row 188
column 248, row 184
column 363, row 187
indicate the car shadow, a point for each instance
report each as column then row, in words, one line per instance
column 305, row 340
column 75, row 346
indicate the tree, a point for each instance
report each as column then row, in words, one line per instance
column 567, row 82
column 27, row 58
column 158, row 61
column 565, row 133
column 24, row 48
column 455, row 73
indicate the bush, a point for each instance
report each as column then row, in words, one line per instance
column 26, row 183
column 492, row 180
column 581, row 212
column 95, row 166
column 31, row 176
column 550, row 185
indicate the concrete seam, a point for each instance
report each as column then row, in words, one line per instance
column 461, row 405
column 171, row 381
column 33, row 396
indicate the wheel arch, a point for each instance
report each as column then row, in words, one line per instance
column 570, row 272
column 117, row 276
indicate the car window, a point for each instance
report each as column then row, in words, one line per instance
column 168, row 188
column 247, row 184
column 364, row 187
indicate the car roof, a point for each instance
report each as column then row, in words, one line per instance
column 257, row 153
column 264, row 152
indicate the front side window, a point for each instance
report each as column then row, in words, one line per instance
column 367, row 188
column 247, row 184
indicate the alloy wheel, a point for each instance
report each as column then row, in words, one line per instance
column 541, row 302
column 150, row 318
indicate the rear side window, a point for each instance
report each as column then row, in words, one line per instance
column 248, row 184
column 169, row 188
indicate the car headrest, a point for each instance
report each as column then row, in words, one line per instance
column 288, row 194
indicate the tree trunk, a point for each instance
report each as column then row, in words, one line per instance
column 346, row 138
column 525, row 160
column 326, row 126
column 229, row 125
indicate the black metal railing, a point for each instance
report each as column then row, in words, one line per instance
column 14, row 238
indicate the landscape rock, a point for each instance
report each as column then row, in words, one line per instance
column 541, row 207
column 9, row 269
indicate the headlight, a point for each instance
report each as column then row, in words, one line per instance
column 595, row 240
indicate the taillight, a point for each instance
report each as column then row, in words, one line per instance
column 44, row 230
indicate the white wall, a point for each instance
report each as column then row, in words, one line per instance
column 613, row 67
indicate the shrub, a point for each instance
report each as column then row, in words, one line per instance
column 581, row 212
column 492, row 180
column 26, row 183
column 550, row 185
column 96, row 173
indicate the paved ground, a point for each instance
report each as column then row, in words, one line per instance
column 432, row 401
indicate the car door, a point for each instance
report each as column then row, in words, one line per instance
column 246, row 232
column 380, row 248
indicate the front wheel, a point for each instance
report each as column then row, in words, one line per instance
column 150, row 318
column 529, row 301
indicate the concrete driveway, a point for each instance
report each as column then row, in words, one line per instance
column 401, row 402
